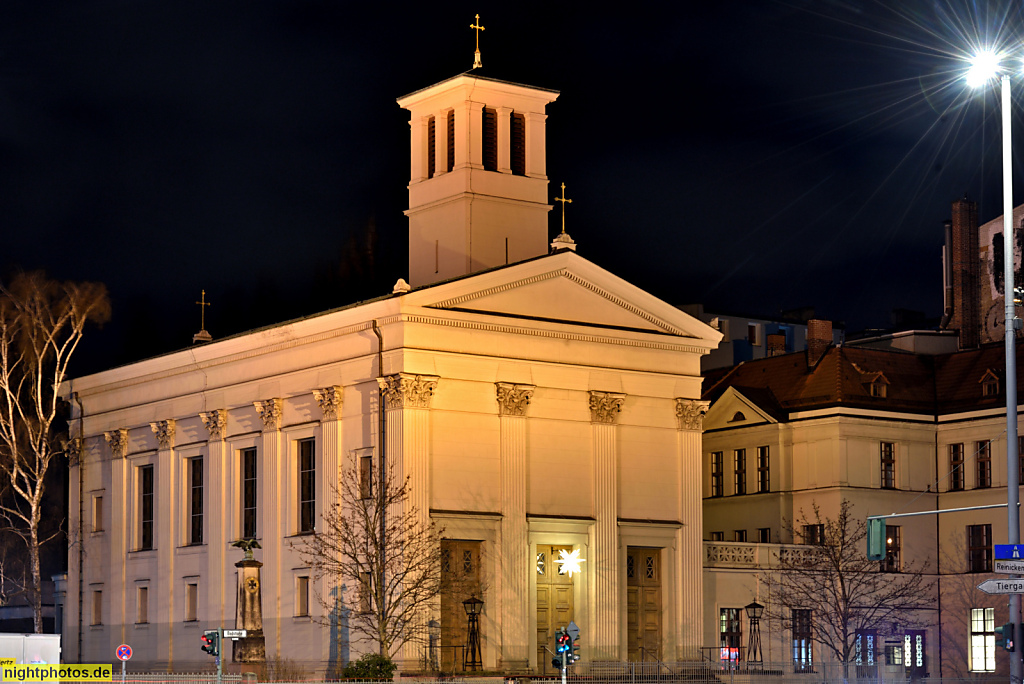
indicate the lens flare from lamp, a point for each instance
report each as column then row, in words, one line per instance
column 570, row 562
column 984, row 66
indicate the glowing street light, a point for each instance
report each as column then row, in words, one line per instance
column 570, row 562
column 984, row 66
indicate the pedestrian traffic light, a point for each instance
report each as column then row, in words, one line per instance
column 563, row 650
column 1004, row 636
column 211, row 642
column 876, row 539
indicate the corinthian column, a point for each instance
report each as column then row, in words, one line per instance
column 513, row 401
column 406, row 398
column 689, row 544
column 272, row 476
column 330, row 401
column 604, row 411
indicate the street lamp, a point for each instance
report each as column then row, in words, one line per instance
column 985, row 66
column 754, row 612
column 473, row 607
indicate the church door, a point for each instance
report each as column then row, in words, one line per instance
column 460, row 579
column 554, row 603
column 643, row 603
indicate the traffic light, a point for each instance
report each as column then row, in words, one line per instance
column 573, row 632
column 876, row 539
column 211, row 642
column 563, row 650
column 1004, row 636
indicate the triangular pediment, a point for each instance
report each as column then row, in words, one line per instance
column 563, row 288
column 733, row 410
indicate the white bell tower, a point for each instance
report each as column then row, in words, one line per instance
column 478, row 184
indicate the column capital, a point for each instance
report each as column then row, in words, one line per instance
column 164, row 431
column 407, row 390
column 690, row 413
column 118, row 441
column 330, row 400
column 604, row 406
column 270, row 413
column 513, row 399
column 215, row 422
column 74, row 449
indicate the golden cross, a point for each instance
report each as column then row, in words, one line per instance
column 478, row 28
column 564, row 202
column 202, row 311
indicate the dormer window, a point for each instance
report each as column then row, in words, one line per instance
column 737, row 417
column 877, row 390
column 989, row 384
column 875, row 382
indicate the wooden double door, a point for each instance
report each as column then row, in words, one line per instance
column 554, row 603
column 460, row 579
column 643, row 604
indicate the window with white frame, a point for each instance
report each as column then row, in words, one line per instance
column 717, row 464
column 983, row 640
column 191, row 602
column 142, row 604
column 302, row 595
column 195, row 500
column 888, row 458
column 740, row 471
column 307, row 486
column 763, row 473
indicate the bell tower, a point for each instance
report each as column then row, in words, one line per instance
column 478, row 181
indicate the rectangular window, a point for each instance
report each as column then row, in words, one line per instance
column 364, row 593
column 717, row 466
column 892, row 549
column 307, row 486
column 97, row 607
column 191, row 602
column 490, row 139
column 729, row 634
column 302, row 596
column 983, row 640
column 956, row 467
column 754, row 334
column 249, row 489
column 142, row 605
column 365, row 477
column 718, row 536
column 763, row 474
column 195, row 504
column 803, row 660
column 97, row 513
column 431, row 146
column 983, row 450
column 517, row 144
column 450, row 140
column 764, row 535
column 814, row 534
column 739, row 535
column 145, row 507
column 865, row 653
column 740, row 463
column 888, row 451
column 979, row 548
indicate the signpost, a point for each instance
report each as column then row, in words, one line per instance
column 1009, row 567
column 998, row 586
column 124, row 653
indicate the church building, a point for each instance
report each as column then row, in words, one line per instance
column 536, row 402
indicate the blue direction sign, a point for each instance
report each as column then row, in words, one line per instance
column 1009, row 551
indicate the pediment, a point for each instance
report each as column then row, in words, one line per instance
column 732, row 410
column 564, row 288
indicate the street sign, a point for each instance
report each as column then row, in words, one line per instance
column 996, row 586
column 573, row 630
column 1010, row 567
column 1009, row 551
column 234, row 633
column 124, row 652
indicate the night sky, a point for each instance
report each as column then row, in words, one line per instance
column 756, row 156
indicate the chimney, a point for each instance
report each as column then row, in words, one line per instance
column 964, row 273
column 819, row 339
column 776, row 344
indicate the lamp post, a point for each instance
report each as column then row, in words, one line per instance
column 985, row 66
column 473, row 606
column 754, row 611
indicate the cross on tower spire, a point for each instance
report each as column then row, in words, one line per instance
column 477, row 28
column 564, row 201
column 562, row 240
column 202, row 335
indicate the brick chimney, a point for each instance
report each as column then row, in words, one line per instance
column 776, row 344
column 965, row 265
column 819, row 339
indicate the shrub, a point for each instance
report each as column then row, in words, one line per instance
column 370, row 666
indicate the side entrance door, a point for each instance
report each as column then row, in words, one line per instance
column 554, row 603
column 643, row 603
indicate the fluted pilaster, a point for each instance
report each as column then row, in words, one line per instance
column 218, row 529
column 689, row 547
column 604, row 411
column 272, row 473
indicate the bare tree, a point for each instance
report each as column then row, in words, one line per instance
column 382, row 570
column 832, row 577
column 41, row 324
column 962, row 604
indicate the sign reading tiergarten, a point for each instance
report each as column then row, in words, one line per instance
column 996, row 586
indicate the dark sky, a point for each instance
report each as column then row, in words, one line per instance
column 756, row 156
